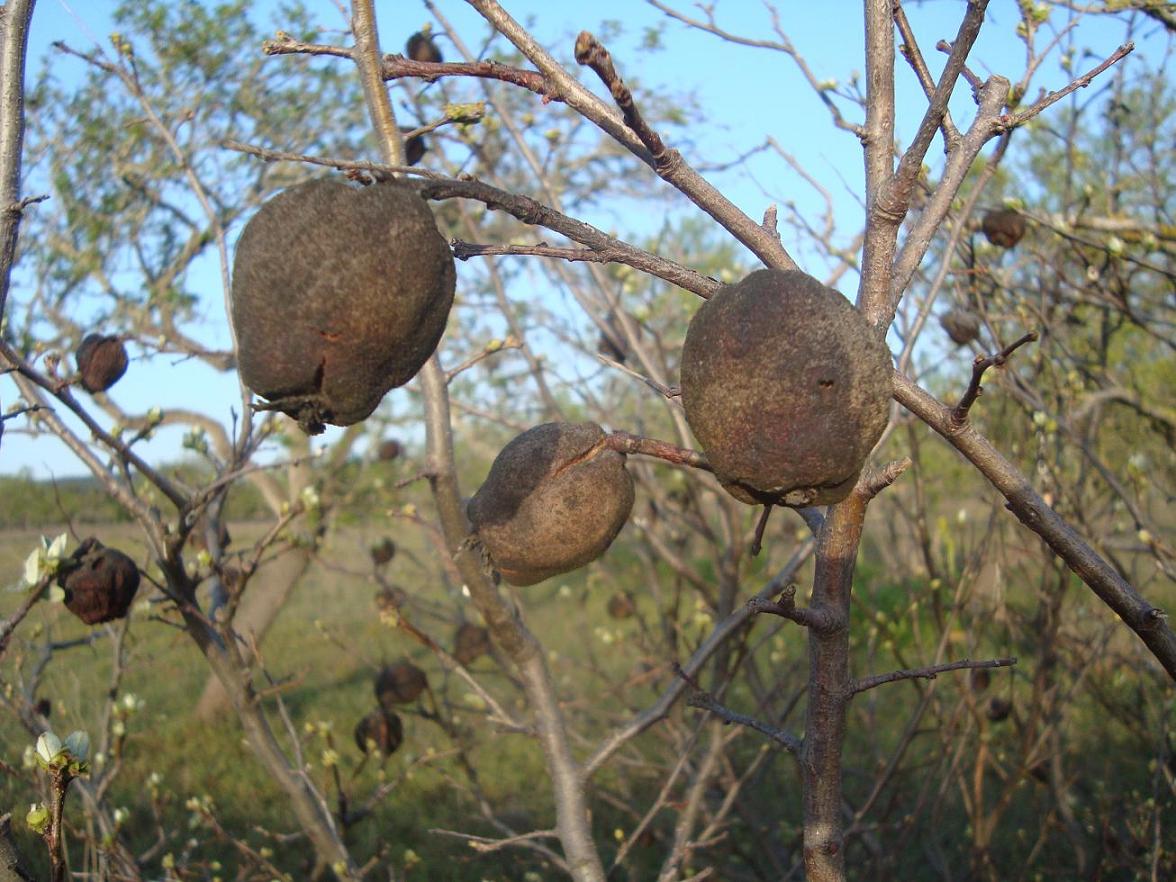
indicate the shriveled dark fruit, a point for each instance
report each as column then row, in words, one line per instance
column 998, row 709
column 399, row 684
column 389, row 450
column 44, row 707
column 415, row 147
column 102, row 360
column 470, row 643
column 420, row 47
column 621, row 605
column 786, row 387
column 383, row 551
column 339, row 294
column 554, row 500
column 381, row 730
column 1003, row 227
column 613, row 343
column 99, row 582
column 962, row 325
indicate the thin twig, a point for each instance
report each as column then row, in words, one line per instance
column 928, row 673
column 959, row 414
column 708, row 702
column 1011, row 121
column 623, row 442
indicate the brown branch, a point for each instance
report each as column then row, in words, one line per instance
column 528, row 210
column 757, row 540
column 914, row 56
column 9, row 625
column 708, row 702
column 819, row 618
column 14, row 32
column 677, row 173
column 1012, row 121
column 721, row 632
column 591, row 53
column 928, row 673
column 623, row 442
column 959, row 414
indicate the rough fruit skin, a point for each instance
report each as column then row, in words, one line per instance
column 963, row 326
column 470, row 643
column 554, row 501
column 381, row 728
column 339, row 294
column 102, row 360
column 786, row 387
column 1003, row 228
column 99, row 582
column 400, row 683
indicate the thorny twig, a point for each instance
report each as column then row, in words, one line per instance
column 959, row 414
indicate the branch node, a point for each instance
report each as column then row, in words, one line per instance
column 959, row 414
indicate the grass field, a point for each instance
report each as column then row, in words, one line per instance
column 328, row 644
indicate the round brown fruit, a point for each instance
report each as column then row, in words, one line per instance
column 420, row 47
column 786, row 387
column 1003, row 228
column 102, row 360
column 621, row 605
column 99, row 582
column 381, row 730
column 383, row 552
column 415, row 147
column 962, row 325
column 339, row 294
column 554, row 500
column 470, row 643
column 400, row 683
column 389, row 450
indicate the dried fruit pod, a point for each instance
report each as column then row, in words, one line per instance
column 339, row 294
column 1003, row 228
column 381, row 730
column 613, row 343
column 101, row 360
column 962, row 325
column 399, row 684
column 99, row 582
column 786, row 387
column 998, row 709
column 470, row 643
column 389, row 450
column 415, row 147
column 621, row 605
column 420, row 47
column 383, row 552
column 980, row 679
column 554, row 500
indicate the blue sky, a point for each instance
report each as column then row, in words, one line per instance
column 747, row 93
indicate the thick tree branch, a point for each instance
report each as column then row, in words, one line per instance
column 14, row 34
